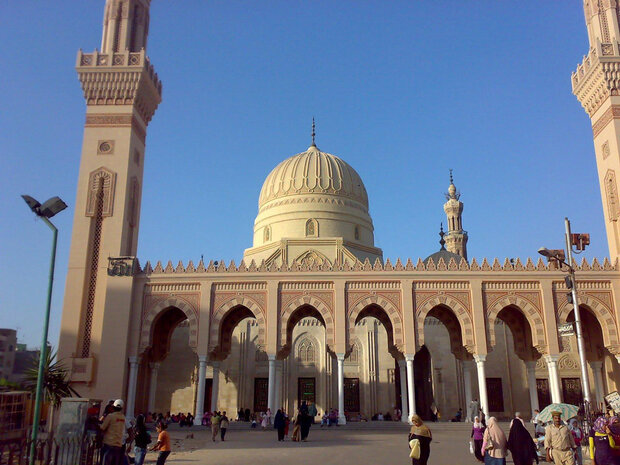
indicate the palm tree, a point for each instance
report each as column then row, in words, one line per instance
column 56, row 383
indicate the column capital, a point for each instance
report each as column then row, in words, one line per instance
column 402, row 363
column 340, row 357
column 551, row 358
column 134, row 360
column 596, row 365
column 271, row 357
column 409, row 357
column 203, row 358
column 480, row 358
column 154, row 366
column 215, row 364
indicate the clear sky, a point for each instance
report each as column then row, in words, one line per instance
column 401, row 90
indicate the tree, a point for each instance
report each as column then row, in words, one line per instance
column 56, row 383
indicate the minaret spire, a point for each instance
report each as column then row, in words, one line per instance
column 456, row 238
column 313, row 133
column 442, row 242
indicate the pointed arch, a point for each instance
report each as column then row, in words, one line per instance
column 390, row 311
column 305, row 304
column 146, row 334
column 459, row 311
column 312, row 228
column 101, row 184
column 526, row 308
column 604, row 316
column 224, row 311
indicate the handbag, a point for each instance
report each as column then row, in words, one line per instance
column 471, row 447
column 415, row 448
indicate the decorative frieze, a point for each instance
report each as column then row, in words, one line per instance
column 305, row 286
column 240, row 286
column 507, row 285
column 171, row 287
column 423, row 285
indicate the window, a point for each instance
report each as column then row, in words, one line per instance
column 354, row 356
column 496, row 394
column 312, row 228
column 267, row 234
column 306, row 352
column 357, row 233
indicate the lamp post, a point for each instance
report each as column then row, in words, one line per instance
column 45, row 212
column 580, row 241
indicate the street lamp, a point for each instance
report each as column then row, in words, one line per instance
column 45, row 212
column 579, row 241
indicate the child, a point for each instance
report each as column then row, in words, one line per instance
column 163, row 443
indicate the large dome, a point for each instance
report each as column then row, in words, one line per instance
column 310, row 198
column 313, row 172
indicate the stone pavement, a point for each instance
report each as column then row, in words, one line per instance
column 354, row 444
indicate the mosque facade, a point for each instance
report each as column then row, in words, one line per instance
column 313, row 311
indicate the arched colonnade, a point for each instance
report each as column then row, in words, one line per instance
column 468, row 310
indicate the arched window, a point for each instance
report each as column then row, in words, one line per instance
column 357, row 233
column 306, row 352
column 354, row 356
column 267, row 234
column 261, row 355
column 312, row 228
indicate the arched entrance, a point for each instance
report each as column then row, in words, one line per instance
column 513, row 383
column 166, row 376
column 302, row 362
column 439, row 368
column 373, row 383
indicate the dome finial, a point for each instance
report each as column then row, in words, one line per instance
column 313, row 132
column 442, row 242
column 451, row 180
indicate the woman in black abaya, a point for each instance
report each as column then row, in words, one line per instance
column 521, row 445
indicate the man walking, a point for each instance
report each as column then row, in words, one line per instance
column 559, row 442
column 312, row 411
column 473, row 410
column 113, row 428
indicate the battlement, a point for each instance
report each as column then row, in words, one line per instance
column 313, row 266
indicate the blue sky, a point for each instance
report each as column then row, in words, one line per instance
column 401, row 90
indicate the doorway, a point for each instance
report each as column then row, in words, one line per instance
column 261, row 387
column 423, row 383
column 306, row 390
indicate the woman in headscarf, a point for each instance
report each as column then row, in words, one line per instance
column 578, row 436
column 494, row 444
column 601, row 442
column 521, row 445
column 477, row 433
column 278, row 423
column 421, row 432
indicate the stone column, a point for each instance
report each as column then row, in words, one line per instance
column 216, row 384
column 482, row 383
column 554, row 378
column 467, row 385
column 200, row 395
column 153, row 386
column 599, row 389
column 278, row 397
column 272, row 382
column 402, row 365
column 131, row 387
column 341, row 418
column 410, row 387
column 530, row 367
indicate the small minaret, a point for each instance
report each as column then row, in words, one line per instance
column 456, row 238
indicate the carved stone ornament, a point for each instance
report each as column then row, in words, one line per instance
column 121, row 266
column 105, row 147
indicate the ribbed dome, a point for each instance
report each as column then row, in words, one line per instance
column 313, row 172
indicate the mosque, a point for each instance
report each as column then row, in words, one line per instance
column 313, row 311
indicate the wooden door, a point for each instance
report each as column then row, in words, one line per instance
column 207, row 400
column 495, row 394
column 544, row 395
column 571, row 390
column 351, row 395
column 306, row 390
column 261, row 388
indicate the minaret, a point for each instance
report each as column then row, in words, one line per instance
column 122, row 93
column 456, row 237
column 596, row 83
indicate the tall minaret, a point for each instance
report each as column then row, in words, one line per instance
column 122, row 93
column 456, row 238
column 596, row 83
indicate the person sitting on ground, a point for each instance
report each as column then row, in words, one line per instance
column 387, row 416
column 324, row 420
column 379, row 416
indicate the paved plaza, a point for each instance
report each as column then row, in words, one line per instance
column 355, row 444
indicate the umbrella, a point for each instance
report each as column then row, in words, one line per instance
column 567, row 410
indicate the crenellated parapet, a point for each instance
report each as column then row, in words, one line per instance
column 310, row 266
